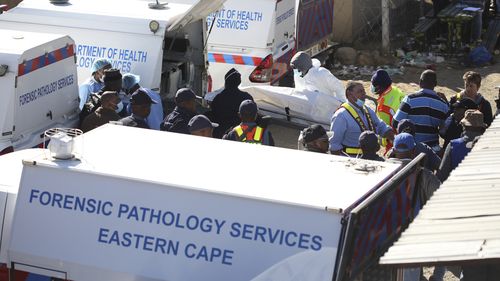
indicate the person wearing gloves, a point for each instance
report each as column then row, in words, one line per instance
column 308, row 74
column 95, row 82
column 130, row 84
column 389, row 99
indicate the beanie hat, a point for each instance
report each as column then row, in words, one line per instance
column 381, row 78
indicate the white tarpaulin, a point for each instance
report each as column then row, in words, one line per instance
column 304, row 106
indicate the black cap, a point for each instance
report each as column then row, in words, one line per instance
column 248, row 107
column 140, row 97
column 199, row 122
column 465, row 103
column 369, row 141
column 112, row 74
column 313, row 133
column 406, row 126
column 184, row 94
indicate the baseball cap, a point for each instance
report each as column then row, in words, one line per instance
column 465, row 103
column 404, row 142
column 199, row 122
column 369, row 141
column 140, row 97
column 313, row 133
column 406, row 126
column 184, row 94
column 248, row 107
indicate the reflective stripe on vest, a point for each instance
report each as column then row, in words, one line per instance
column 358, row 119
column 249, row 134
column 352, row 150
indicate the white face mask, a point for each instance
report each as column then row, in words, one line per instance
column 119, row 107
column 296, row 73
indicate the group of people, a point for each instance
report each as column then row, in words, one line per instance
column 108, row 96
column 407, row 125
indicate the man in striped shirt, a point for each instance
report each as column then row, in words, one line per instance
column 426, row 110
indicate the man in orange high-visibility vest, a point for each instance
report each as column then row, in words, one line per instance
column 389, row 99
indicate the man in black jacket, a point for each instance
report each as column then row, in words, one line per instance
column 185, row 109
column 225, row 105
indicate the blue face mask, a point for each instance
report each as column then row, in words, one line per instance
column 360, row 103
column 373, row 89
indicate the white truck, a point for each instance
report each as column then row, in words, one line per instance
column 163, row 43
column 259, row 37
column 149, row 208
column 38, row 79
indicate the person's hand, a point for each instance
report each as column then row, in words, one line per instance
column 389, row 135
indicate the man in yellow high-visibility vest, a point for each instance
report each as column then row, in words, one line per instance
column 389, row 99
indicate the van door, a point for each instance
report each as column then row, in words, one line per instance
column 284, row 38
column 46, row 90
column 197, row 12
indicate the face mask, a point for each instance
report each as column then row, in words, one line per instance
column 119, row 107
column 296, row 73
column 373, row 89
column 360, row 103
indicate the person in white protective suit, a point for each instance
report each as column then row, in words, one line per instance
column 310, row 76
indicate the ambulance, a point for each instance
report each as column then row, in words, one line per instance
column 164, row 43
column 39, row 86
column 259, row 37
column 118, row 210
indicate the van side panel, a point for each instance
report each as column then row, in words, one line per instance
column 314, row 22
column 103, row 227
column 136, row 53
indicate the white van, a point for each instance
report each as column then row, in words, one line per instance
column 108, row 215
column 38, row 82
column 163, row 43
column 259, row 37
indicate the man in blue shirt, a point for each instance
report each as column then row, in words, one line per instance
column 130, row 84
column 95, row 82
column 353, row 118
column 426, row 110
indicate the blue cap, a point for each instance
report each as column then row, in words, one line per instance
column 100, row 64
column 381, row 78
column 129, row 80
column 404, row 142
column 200, row 122
column 248, row 107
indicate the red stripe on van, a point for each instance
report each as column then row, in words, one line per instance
column 238, row 59
column 35, row 63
